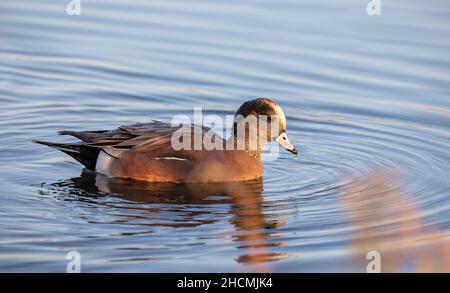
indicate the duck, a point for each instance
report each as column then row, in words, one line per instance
column 145, row 151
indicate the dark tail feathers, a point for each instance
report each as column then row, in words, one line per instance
column 84, row 154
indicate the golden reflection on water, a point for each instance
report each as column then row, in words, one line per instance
column 252, row 230
column 250, row 219
column 383, row 217
column 386, row 219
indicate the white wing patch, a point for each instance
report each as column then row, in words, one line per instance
column 171, row 158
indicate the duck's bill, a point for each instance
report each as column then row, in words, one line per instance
column 283, row 140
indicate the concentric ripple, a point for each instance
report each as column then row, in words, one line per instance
column 367, row 103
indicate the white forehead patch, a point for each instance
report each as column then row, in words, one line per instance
column 279, row 112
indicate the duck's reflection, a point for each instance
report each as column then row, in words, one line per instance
column 188, row 205
column 385, row 218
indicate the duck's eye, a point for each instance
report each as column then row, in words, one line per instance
column 284, row 137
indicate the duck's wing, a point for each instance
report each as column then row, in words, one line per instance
column 123, row 137
column 153, row 138
column 139, row 136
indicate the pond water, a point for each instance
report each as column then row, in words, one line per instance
column 367, row 100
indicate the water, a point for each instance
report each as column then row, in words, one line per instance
column 367, row 101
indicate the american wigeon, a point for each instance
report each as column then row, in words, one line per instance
column 145, row 151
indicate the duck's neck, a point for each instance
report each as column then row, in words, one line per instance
column 240, row 143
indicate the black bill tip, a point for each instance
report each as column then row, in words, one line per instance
column 294, row 151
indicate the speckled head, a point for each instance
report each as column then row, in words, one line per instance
column 270, row 109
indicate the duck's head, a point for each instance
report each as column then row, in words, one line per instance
column 268, row 110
